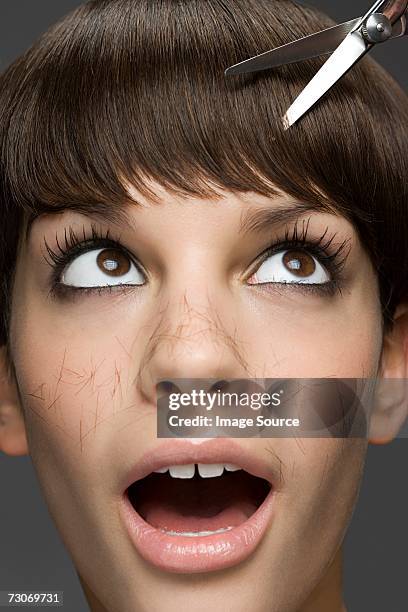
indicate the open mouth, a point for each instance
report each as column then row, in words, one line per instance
column 190, row 508
column 198, row 500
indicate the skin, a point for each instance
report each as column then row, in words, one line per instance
column 88, row 396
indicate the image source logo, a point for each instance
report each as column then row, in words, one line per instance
column 268, row 408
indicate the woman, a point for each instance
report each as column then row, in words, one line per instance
column 158, row 223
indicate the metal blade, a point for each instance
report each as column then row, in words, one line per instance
column 339, row 63
column 313, row 45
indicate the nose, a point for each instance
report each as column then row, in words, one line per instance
column 193, row 342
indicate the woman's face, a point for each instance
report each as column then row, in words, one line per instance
column 205, row 300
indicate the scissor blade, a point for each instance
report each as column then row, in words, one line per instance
column 340, row 62
column 313, row 45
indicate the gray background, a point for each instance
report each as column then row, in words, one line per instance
column 31, row 553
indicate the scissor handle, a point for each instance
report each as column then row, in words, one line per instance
column 396, row 9
column 403, row 23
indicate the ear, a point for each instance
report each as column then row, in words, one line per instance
column 13, row 440
column 391, row 399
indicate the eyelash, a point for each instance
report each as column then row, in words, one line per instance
column 73, row 245
column 332, row 258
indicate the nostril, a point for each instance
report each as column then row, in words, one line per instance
column 165, row 387
column 219, row 385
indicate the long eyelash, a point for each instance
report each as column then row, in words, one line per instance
column 72, row 241
column 333, row 258
column 74, row 244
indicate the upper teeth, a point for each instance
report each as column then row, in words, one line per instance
column 206, row 470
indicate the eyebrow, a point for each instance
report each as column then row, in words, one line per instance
column 252, row 221
column 256, row 221
column 116, row 215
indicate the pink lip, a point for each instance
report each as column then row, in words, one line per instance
column 185, row 554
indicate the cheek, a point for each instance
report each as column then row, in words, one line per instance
column 322, row 479
column 330, row 482
column 81, row 412
column 75, row 393
column 344, row 340
column 326, row 471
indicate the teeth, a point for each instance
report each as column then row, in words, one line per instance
column 231, row 467
column 196, row 534
column 205, row 470
column 182, row 471
column 208, row 470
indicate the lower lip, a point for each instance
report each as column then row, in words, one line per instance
column 193, row 554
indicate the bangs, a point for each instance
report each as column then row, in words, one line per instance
column 127, row 92
column 133, row 91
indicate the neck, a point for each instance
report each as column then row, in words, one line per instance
column 93, row 602
column 328, row 595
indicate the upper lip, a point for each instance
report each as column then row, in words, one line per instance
column 183, row 452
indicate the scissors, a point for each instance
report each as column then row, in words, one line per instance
column 347, row 43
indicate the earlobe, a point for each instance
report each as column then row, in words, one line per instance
column 13, row 439
column 390, row 409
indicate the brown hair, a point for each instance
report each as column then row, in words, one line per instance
column 131, row 90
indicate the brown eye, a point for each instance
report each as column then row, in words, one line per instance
column 101, row 268
column 299, row 263
column 113, row 262
column 295, row 266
